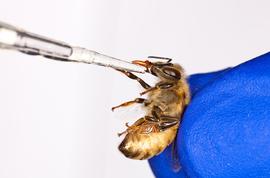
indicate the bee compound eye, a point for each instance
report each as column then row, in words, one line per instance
column 166, row 85
column 172, row 72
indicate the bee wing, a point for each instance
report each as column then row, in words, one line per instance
column 130, row 113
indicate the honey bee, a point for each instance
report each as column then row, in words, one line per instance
column 164, row 105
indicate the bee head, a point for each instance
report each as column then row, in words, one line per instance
column 173, row 72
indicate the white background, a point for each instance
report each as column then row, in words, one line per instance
column 55, row 118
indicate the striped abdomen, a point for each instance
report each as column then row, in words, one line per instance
column 144, row 146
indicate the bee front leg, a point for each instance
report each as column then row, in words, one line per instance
column 162, row 85
column 128, row 103
column 134, row 77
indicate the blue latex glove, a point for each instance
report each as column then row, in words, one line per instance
column 226, row 128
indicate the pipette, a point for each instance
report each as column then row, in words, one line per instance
column 15, row 38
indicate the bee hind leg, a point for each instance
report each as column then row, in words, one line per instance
column 128, row 103
column 121, row 133
column 167, row 122
column 133, row 126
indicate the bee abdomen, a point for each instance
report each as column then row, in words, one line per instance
column 145, row 146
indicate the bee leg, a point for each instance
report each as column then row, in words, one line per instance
column 167, row 122
column 128, row 103
column 134, row 77
column 151, row 125
column 134, row 125
column 151, row 119
column 122, row 133
column 148, row 90
column 163, row 85
column 139, row 122
column 156, row 112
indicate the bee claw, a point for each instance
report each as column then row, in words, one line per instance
column 127, row 125
column 115, row 107
column 120, row 134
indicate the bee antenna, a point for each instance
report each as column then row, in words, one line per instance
column 158, row 57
